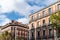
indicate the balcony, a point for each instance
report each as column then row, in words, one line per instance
column 31, row 21
column 32, row 28
column 45, row 15
column 38, row 27
column 49, row 24
column 44, row 25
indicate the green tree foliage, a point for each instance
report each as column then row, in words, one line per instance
column 55, row 21
column 5, row 36
column 19, row 38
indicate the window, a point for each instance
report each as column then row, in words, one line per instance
column 58, row 6
column 12, row 28
column 43, row 32
column 49, row 10
column 32, row 25
column 43, row 22
column 18, row 32
column 32, row 34
column 32, row 17
column 49, row 31
column 38, row 23
column 43, row 13
column 38, row 15
column 38, row 33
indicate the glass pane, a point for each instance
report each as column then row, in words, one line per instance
column 49, row 10
column 43, row 32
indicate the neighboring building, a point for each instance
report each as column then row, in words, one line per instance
column 39, row 25
column 17, row 30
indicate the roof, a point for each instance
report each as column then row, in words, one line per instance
column 44, row 8
column 15, row 23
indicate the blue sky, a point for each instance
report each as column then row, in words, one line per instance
column 20, row 9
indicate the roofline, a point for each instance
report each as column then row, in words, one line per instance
column 44, row 8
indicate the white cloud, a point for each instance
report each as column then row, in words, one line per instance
column 23, row 20
column 3, row 20
column 50, row 2
column 6, row 5
column 20, row 6
column 25, row 9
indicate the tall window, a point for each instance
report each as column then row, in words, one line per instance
column 38, row 33
column 12, row 32
column 32, row 17
column 32, row 34
column 44, row 22
column 32, row 25
column 38, row 15
column 38, row 23
column 58, row 6
column 43, row 32
column 43, row 13
column 49, row 31
column 49, row 10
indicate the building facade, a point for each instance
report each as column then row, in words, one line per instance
column 39, row 24
column 18, row 30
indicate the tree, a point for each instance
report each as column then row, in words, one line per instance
column 55, row 21
column 5, row 36
column 20, row 38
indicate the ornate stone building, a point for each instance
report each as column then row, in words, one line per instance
column 39, row 25
column 17, row 30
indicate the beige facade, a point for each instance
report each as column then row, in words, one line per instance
column 16, row 29
column 40, row 19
